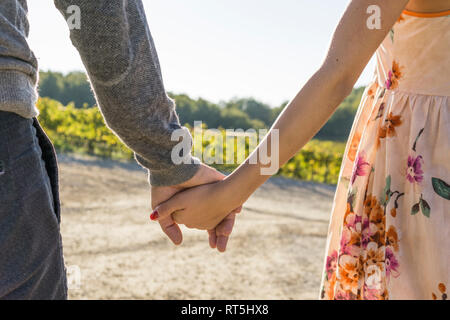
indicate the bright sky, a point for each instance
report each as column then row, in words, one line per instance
column 217, row 49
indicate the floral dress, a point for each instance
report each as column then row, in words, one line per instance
column 389, row 231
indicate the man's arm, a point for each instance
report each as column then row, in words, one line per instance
column 117, row 49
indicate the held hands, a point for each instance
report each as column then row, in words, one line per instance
column 195, row 206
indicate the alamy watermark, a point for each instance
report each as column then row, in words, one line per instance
column 213, row 146
column 374, row 20
column 73, row 277
column 74, row 18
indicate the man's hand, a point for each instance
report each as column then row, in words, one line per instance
column 217, row 201
column 218, row 237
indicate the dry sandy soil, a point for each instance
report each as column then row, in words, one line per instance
column 276, row 250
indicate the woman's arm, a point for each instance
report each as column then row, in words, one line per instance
column 352, row 46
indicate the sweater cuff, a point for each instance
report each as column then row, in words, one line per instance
column 173, row 175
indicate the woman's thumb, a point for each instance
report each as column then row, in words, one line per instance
column 165, row 209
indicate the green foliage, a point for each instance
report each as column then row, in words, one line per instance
column 73, row 87
column 213, row 115
column 235, row 118
column 80, row 130
column 238, row 113
column 339, row 126
column 79, row 127
column 441, row 188
column 253, row 109
column 318, row 161
column 83, row 130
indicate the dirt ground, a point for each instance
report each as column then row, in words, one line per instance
column 276, row 250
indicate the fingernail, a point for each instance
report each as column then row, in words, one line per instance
column 154, row 215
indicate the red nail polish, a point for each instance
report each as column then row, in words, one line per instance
column 154, row 215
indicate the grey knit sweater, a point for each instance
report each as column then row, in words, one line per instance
column 117, row 49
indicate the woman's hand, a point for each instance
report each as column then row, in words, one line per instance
column 204, row 207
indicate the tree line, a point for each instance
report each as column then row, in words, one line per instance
column 83, row 131
column 243, row 113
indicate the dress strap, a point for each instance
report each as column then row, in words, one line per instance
column 427, row 14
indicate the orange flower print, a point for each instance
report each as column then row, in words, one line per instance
column 394, row 212
column 373, row 261
column 369, row 203
column 372, row 90
column 354, row 146
column 392, row 238
column 374, row 222
column 376, row 214
column 443, row 292
column 391, row 123
column 442, row 288
column 394, row 75
column 388, row 129
column 381, row 133
column 349, row 273
column 330, row 277
column 348, row 212
column 328, row 291
column 373, row 255
column 378, row 231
